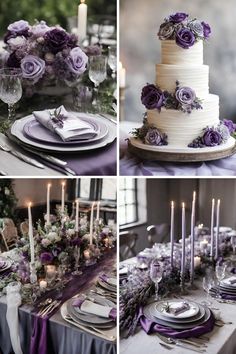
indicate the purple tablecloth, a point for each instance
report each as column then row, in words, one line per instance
column 132, row 166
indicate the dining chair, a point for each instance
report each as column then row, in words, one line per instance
column 128, row 241
column 9, row 234
column 157, row 233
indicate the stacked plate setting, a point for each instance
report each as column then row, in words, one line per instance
column 27, row 131
column 227, row 287
column 163, row 314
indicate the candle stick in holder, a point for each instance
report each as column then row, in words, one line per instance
column 172, row 234
column 217, row 228
column 183, row 247
column 77, row 215
column 212, row 227
column 48, row 205
column 31, row 238
column 91, row 224
column 62, row 197
column 98, row 210
column 82, row 20
column 192, row 237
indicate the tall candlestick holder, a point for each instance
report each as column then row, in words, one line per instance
column 182, row 284
column 33, row 274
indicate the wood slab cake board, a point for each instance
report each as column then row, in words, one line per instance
column 179, row 157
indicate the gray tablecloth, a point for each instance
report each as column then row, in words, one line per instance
column 132, row 166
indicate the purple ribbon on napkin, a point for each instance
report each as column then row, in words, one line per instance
column 151, row 327
column 79, row 301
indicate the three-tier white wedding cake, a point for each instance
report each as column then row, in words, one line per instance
column 180, row 111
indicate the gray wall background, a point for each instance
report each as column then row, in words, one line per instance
column 140, row 47
column 159, row 193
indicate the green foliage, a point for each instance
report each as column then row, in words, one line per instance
column 7, row 199
column 52, row 11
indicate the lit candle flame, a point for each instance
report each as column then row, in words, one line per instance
column 183, row 205
column 172, row 204
column 82, row 1
column 194, row 195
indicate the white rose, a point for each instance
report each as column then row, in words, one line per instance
column 17, row 42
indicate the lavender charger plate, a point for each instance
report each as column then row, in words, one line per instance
column 36, row 131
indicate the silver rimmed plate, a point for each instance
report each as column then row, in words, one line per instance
column 17, row 132
column 199, row 316
column 226, row 283
column 107, row 286
column 148, row 312
column 161, row 308
column 37, row 132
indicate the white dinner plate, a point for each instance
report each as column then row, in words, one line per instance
column 226, row 282
column 191, row 312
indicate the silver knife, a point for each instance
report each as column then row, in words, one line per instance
column 47, row 157
column 20, row 156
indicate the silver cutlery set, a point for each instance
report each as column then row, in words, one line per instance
column 48, row 306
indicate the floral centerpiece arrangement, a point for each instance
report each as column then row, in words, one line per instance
column 45, row 54
column 184, row 30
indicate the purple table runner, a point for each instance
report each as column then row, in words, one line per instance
column 40, row 341
column 152, row 327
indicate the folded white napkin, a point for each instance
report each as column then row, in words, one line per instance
column 65, row 124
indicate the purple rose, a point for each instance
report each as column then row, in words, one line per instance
column 19, row 27
column 178, row 17
column 46, row 257
column 230, row 125
column 185, row 95
column 211, row 137
column 32, row 68
column 166, row 31
column 56, row 40
column 206, row 29
column 185, row 38
column 39, row 29
column 76, row 242
column 77, row 61
column 153, row 137
column 152, row 97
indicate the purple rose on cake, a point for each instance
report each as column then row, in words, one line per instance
column 155, row 137
column 185, row 38
column 152, row 97
column 185, row 95
column 166, row 31
column 206, row 29
column 211, row 137
column 196, row 27
column 178, row 17
column 230, row 125
column 32, row 68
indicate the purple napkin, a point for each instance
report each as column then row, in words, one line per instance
column 152, row 327
column 100, row 309
column 184, row 306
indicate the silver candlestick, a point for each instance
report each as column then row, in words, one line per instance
column 33, row 274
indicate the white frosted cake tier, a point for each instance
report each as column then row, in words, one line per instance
column 182, row 128
column 171, row 53
column 196, row 77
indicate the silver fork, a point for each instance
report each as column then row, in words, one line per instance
column 3, row 173
column 20, row 156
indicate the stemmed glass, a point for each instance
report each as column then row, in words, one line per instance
column 156, row 271
column 77, row 258
column 112, row 60
column 207, row 283
column 97, row 73
column 10, row 88
column 220, row 274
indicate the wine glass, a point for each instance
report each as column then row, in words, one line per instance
column 10, row 88
column 97, row 73
column 220, row 274
column 77, row 258
column 156, row 271
column 207, row 283
column 112, row 60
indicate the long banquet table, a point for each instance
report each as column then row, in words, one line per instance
column 222, row 339
column 133, row 166
column 63, row 338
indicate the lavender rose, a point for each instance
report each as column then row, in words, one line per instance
column 211, row 137
column 152, row 97
column 166, row 31
column 39, row 29
column 178, row 17
column 32, row 68
column 19, row 27
column 224, row 132
column 46, row 257
column 185, row 38
column 206, row 30
column 185, row 95
column 153, row 137
column 230, row 125
column 196, row 27
column 56, row 40
column 77, row 61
